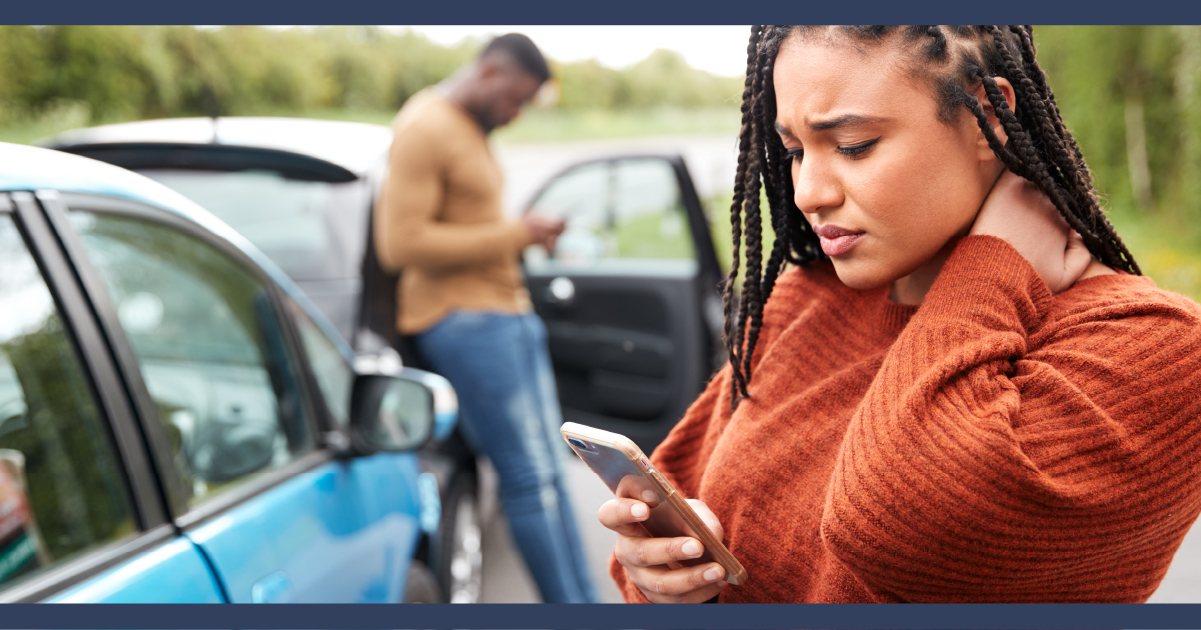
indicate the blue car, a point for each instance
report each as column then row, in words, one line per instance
column 178, row 423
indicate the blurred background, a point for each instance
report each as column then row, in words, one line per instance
column 1129, row 93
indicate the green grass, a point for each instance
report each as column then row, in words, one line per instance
column 1167, row 248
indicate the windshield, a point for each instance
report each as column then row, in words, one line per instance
column 313, row 230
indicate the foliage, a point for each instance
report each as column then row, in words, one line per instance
column 129, row 72
column 1097, row 72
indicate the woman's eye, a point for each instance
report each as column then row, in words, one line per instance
column 857, row 149
column 795, row 154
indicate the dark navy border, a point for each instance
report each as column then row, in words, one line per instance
column 596, row 12
column 603, row 616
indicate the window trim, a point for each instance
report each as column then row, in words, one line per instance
column 99, row 371
column 87, row 565
column 105, row 311
column 251, row 488
column 316, row 416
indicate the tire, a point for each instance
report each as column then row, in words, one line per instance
column 421, row 587
column 460, row 558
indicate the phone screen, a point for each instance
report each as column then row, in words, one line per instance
column 625, row 479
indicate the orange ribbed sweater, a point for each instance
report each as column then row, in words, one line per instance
column 995, row 444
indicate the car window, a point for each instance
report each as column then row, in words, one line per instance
column 311, row 229
column 334, row 376
column 61, row 492
column 618, row 210
column 210, row 346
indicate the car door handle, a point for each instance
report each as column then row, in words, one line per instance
column 272, row 589
column 561, row 291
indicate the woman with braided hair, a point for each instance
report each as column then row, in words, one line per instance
column 948, row 382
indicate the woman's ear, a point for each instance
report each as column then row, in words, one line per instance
column 1006, row 88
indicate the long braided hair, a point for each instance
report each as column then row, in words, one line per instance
column 957, row 60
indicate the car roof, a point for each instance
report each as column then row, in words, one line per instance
column 356, row 147
column 26, row 168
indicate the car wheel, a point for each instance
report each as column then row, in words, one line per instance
column 460, row 558
column 421, row 587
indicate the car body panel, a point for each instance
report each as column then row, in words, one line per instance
column 172, row 573
column 338, row 533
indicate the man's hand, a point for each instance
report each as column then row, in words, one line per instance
column 544, row 230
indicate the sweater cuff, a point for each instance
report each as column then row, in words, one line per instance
column 987, row 272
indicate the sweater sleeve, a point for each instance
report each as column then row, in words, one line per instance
column 998, row 457
column 407, row 229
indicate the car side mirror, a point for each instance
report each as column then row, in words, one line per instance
column 400, row 412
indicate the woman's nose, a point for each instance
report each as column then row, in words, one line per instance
column 815, row 186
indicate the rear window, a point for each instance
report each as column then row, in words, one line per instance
column 313, row 230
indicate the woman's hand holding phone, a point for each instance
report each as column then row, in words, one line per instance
column 1017, row 211
column 653, row 563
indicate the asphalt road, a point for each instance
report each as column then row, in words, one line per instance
column 711, row 160
column 506, row 579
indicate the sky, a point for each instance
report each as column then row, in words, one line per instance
column 720, row 50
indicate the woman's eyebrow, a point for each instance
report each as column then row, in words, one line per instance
column 844, row 121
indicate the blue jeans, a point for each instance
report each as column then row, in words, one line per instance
column 500, row 368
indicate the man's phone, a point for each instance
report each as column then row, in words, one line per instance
column 628, row 473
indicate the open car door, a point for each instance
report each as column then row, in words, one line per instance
column 630, row 294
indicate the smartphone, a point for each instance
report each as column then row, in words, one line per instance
column 627, row 472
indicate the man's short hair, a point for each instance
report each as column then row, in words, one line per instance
column 522, row 50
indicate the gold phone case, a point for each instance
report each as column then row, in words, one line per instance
column 617, row 461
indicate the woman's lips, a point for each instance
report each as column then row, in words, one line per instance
column 837, row 241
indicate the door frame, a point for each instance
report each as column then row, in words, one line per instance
column 104, row 380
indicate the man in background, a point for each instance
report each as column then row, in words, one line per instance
column 463, row 298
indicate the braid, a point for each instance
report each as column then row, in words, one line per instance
column 753, row 228
column 755, row 290
column 738, row 384
column 937, row 49
column 1025, row 35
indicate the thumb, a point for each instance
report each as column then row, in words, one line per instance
column 709, row 518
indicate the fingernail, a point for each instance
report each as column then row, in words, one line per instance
column 649, row 495
column 691, row 549
column 639, row 510
column 712, row 575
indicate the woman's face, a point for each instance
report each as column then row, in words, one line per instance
column 886, row 184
